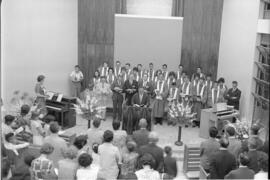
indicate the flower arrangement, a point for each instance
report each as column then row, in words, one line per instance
column 241, row 129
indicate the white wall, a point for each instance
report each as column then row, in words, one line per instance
column 38, row 37
column 237, row 47
column 145, row 39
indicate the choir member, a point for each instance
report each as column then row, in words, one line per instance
column 117, row 68
column 96, row 79
column 233, row 95
column 180, row 71
column 151, row 72
column 186, row 87
column 124, row 74
column 171, row 79
column 104, row 69
column 214, row 96
column 222, row 89
column 141, row 98
column 161, row 90
column 76, row 77
column 128, row 69
column 117, row 97
column 130, row 88
column 148, row 88
column 136, row 74
column 173, row 94
column 198, row 73
column 110, row 76
column 165, row 71
column 194, row 84
column 41, row 94
column 140, row 70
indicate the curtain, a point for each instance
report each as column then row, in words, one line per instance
column 178, row 8
column 121, row 6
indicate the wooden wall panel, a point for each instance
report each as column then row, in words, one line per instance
column 201, row 35
column 96, row 34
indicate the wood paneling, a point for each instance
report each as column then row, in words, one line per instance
column 201, row 35
column 96, row 33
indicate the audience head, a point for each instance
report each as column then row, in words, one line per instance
column 230, row 131
column 160, row 76
column 215, row 84
column 142, row 123
column 9, row 119
column 46, row 149
column 153, row 137
column 108, row 136
column 243, row 159
column 254, row 130
column 123, row 70
column 213, row 132
column 49, row 118
column 25, row 109
column 28, row 159
column 85, row 160
column 96, row 123
column 96, row 74
column 70, row 152
column 234, row 84
column 80, row 141
column 116, row 125
column 54, row 127
column 263, row 162
column 135, row 70
column 95, row 147
column 131, row 146
column 201, row 79
column 252, row 143
column 10, row 137
column 168, row 150
column 147, row 160
column 40, row 78
column 224, row 142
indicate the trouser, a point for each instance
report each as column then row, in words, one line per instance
column 159, row 120
column 117, row 106
column 76, row 89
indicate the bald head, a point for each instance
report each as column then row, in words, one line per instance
column 142, row 123
column 153, row 137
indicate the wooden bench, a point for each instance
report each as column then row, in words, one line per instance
column 191, row 163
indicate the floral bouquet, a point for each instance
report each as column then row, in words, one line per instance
column 179, row 113
column 241, row 129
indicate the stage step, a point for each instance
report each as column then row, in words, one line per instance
column 191, row 162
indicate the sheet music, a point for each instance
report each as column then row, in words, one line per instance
column 50, row 94
column 59, row 98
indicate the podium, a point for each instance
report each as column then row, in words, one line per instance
column 215, row 117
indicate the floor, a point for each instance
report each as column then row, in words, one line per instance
column 167, row 137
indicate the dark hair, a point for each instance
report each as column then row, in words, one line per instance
column 180, row 65
column 96, row 123
column 243, row 159
column 25, row 109
column 224, row 143
column 40, row 78
column 139, row 65
column 54, row 127
column 123, row 69
column 80, row 141
column 263, row 162
column 147, row 159
column 164, row 65
column 49, row 118
column 97, row 72
column 46, row 149
column 85, row 160
column 111, row 69
column 172, row 74
column 230, row 130
column 135, row 69
column 116, row 125
column 77, row 66
column 108, row 136
column 221, row 80
column 150, row 63
column 9, row 119
column 28, row 159
column 34, row 115
column 213, row 132
column 167, row 150
column 131, row 145
column 8, row 136
column 128, row 64
column 235, row 82
column 199, row 67
column 255, row 129
column 117, row 61
column 95, row 147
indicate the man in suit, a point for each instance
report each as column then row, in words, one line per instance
column 140, row 99
column 130, row 88
column 243, row 172
column 117, row 97
column 154, row 150
column 146, row 84
column 233, row 96
column 222, row 161
column 234, row 143
column 141, row 136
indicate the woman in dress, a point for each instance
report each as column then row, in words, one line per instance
column 37, row 130
column 94, row 81
column 41, row 94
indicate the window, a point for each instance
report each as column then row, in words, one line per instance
column 266, row 10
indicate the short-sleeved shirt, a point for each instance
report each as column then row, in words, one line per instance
column 76, row 76
column 41, row 167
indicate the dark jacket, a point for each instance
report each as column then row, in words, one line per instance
column 254, row 157
column 221, row 163
column 141, row 137
column 233, row 97
column 145, row 100
column 21, row 172
column 127, row 86
column 240, row 173
column 170, row 166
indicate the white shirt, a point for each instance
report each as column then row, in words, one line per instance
column 88, row 173
column 147, row 174
column 76, row 76
column 261, row 176
column 15, row 147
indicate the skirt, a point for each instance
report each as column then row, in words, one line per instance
column 158, row 108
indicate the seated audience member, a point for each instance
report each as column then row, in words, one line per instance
column 147, row 171
column 37, row 130
column 254, row 134
column 154, row 150
column 42, row 167
column 47, row 120
column 141, row 98
column 243, row 172
column 234, row 143
column 68, row 166
column 233, row 96
column 208, row 148
column 7, row 126
column 23, row 119
column 119, row 136
column 141, row 136
column 110, row 158
column 222, row 161
column 85, row 170
column 263, row 165
column 96, row 157
column 22, row 172
column 12, row 143
column 129, row 161
column 95, row 134
column 254, row 155
column 58, row 143
column 170, row 166
column 266, row 146
column 79, row 143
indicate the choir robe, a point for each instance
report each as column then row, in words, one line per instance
column 137, row 77
column 179, row 82
column 169, row 82
column 165, row 74
column 151, row 75
column 128, row 95
column 117, row 71
column 103, row 71
column 178, row 74
column 208, row 86
column 110, row 78
column 141, row 74
column 200, row 99
column 186, row 88
column 214, row 97
column 173, row 93
column 159, row 104
column 194, row 89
